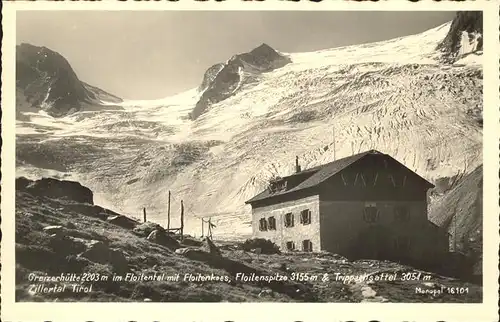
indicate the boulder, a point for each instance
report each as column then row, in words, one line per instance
column 182, row 251
column 162, row 238
column 266, row 292
column 118, row 260
column 190, row 241
column 56, row 230
column 56, row 189
column 210, row 247
column 70, row 225
column 88, row 243
column 144, row 229
column 196, row 254
column 88, row 210
column 65, row 245
column 99, row 252
column 279, row 266
column 266, row 246
column 122, row 221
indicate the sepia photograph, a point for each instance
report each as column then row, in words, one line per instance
column 249, row 156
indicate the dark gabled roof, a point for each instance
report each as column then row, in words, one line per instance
column 319, row 174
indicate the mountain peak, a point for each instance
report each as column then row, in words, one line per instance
column 222, row 80
column 263, row 48
column 465, row 35
column 46, row 80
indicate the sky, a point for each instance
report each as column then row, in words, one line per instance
column 155, row 54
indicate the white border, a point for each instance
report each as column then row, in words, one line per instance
column 487, row 311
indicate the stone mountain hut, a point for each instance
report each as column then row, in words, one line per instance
column 364, row 206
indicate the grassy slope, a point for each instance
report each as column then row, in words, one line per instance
column 37, row 251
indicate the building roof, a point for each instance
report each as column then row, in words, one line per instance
column 318, row 175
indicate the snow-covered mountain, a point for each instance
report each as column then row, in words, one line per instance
column 217, row 145
column 45, row 81
column 223, row 80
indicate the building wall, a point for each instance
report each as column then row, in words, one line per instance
column 344, row 230
column 298, row 232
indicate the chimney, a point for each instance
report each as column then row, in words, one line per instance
column 297, row 166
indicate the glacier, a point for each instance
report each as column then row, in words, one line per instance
column 397, row 96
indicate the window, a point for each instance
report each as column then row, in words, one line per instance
column 290, row 245
column 305, row 217
column 401, row 214
column 263, row 224
column 307, row 245
column 277, row 184
column 289, row 222
column 370, row 213
column 282, row 185
column 272, row 223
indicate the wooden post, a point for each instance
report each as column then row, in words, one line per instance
column 210, row 228
column 202, row 224
column 144, row 213
column 182, row 219
column 168, row 212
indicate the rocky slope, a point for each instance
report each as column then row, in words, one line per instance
column 60, row 234
column 45, row 80
column 396, row 96
column 223, row 80
column 460, row 210
column 465, row 36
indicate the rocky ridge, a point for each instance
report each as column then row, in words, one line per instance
column 465, row 36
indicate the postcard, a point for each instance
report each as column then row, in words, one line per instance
column 243, row 160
